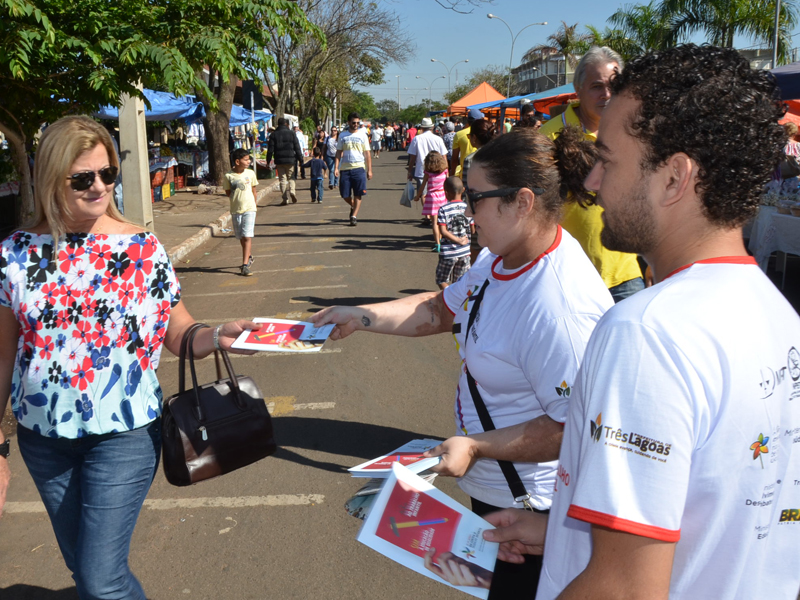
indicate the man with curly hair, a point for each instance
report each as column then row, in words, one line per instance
column 678, row 467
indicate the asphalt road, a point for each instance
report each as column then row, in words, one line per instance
column 277, row 529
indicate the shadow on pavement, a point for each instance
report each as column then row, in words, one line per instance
column 33, row 592
column 354, row 301
column 345, row 438
column 414, row 244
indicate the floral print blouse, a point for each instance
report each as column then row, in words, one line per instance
column 93, row 317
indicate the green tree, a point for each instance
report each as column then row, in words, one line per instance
column 60, row 57
column 565, row 41
column 495, row 75
column 389, row 109
column 361, row 102
column 360, row 38
column 721, row 20
column 642, row 28
column 414, row 113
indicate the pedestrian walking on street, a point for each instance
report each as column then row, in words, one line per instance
column 423, row 143
column 377, row 139
column 433, row 184
column 303, row 141
column 284, row 147
column 330, row 157
column 317, row 168
column 87, row 301
column 456, row 229
column 353, row 164
column 240, row 186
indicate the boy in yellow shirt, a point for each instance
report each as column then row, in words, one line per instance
column 240, row 186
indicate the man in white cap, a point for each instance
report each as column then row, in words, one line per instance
column 421, row 145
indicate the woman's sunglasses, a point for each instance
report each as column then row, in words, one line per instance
column 85, row 179
column 474, row 197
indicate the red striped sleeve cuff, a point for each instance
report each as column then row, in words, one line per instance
column 618, row 524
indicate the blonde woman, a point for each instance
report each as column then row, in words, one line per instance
column 87, row 300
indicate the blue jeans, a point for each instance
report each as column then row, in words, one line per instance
column 332, row 179
column 317, row 189
column 626, row 288
column 93, row 489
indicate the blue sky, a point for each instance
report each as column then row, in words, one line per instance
column 451, row 37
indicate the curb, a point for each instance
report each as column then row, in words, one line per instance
column 179, row 252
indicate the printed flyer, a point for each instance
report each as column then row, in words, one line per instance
column 409, row 455
column 282, row 335
column 424, row 529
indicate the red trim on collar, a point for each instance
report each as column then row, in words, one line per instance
column 731, row 260
column 529, row 266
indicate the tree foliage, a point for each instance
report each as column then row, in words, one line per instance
column 361, row 37
column 62, row 57
column 362, row 103
column 566, row 40
column 495, row 75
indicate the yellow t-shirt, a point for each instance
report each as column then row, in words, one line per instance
column 586, row 224
column 241, row 187
column 465, row 148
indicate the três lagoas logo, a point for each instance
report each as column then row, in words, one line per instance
column 628, row 440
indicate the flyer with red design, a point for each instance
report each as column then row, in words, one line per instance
column 283, row 335
column 409, row 455
column 422, row 528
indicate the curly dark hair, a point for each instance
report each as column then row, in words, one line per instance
column 708, row 103
column 526, row 158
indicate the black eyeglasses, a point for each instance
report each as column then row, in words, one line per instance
column 355, row 123
column 474, row 197
column 85, row 179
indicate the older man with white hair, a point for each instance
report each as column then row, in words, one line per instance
column 620, row 270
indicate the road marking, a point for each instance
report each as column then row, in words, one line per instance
column 300, row 241
column 283, row 405
column 241, row 282
column 171, row 359
column 303, row 253
column 172, row 503
column 275, row 291
column 296, row 315
column 278, row 232
column 304, row 269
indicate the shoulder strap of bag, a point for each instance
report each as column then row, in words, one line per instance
column 509, row 470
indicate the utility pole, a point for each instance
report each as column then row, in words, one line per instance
column 135, row 162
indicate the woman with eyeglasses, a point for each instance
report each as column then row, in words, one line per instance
column 521, row 317
column 87, row 300
column 330, row 156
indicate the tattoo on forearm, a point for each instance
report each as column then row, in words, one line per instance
column 365, row 320
column 432, row 308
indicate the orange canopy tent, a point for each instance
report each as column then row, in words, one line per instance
column 793, row 114
column 483, row 93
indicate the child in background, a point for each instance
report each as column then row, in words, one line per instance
column 433, row 183
column 318, row 167
column 240, row 186
column 456, row 228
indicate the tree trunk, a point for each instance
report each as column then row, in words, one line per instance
column 17, row 142
column 217, row 126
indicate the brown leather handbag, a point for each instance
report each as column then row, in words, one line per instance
column 216, row 428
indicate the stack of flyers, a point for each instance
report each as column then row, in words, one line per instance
column 409, row 455
column 282, row 335
column 424, row 529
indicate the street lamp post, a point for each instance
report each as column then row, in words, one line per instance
column 414, row 93
column 466, row 60
column 398, row 91
column 513, row 41
column 430, row 88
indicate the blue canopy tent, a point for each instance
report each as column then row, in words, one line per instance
column 788, row 78
column 164, row 107
column 241, row 116
column 517, row 101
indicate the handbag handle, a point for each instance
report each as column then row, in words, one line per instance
column 233, row 381
column 182, row 356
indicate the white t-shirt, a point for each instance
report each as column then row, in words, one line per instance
column 524, row 351
column 377, row 134
column 685, row 426
column 353, row 147
column 420, row 146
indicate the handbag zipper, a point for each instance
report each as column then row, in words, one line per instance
column 204, row 432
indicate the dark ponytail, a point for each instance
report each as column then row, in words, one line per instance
column 526, row 158
column 575, row 158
